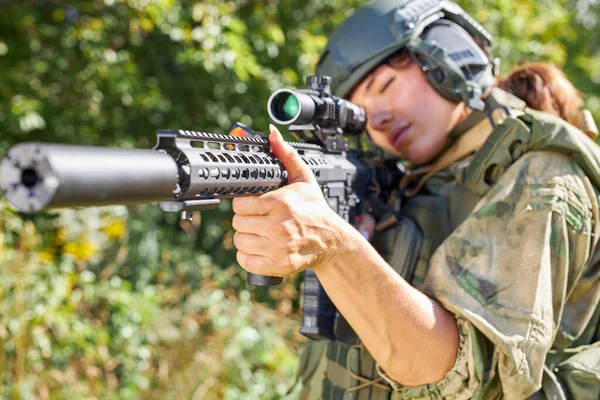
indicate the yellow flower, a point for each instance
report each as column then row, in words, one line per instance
column 82, row 251
column 115, row 229
column 70, row 248
column 48, row 255
column 86, row 250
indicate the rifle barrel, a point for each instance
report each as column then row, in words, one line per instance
column 36, row 176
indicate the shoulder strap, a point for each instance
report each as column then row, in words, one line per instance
column 504, row 146
column 468, row 143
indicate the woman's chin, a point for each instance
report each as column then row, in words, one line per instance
column 418, row 158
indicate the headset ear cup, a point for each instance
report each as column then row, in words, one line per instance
column 439, row 75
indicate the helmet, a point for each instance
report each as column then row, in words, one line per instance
column 449, row 46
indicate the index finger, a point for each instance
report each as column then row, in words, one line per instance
column 251, row 205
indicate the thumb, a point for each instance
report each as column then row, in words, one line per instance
column 297, row 170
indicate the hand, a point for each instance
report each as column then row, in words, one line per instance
column 290, row 229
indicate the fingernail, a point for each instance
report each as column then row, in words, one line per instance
column 272, row 129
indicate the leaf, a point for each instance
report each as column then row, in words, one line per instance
column 275, row 33
column 237, row 26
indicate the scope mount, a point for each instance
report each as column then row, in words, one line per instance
column 331, row 139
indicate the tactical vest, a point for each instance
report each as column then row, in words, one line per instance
column 336, row 371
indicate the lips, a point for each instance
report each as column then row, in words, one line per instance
column 398, row 136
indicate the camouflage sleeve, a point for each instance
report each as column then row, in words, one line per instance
column 459, row 383
column 507, row 273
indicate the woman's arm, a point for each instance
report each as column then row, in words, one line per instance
column 293, row 228
column 411, row 336
column 512, row 273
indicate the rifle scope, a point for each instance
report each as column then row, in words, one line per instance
column 316, row 106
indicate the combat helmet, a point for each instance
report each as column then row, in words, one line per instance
column 449, row 46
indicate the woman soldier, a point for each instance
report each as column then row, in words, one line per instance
column 485, row 285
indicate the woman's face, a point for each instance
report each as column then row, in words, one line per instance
column 407, row 117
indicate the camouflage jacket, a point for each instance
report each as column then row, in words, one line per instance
column 520, row 272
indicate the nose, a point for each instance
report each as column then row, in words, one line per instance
column 381, row 120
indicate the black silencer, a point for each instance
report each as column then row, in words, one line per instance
column 36, row 176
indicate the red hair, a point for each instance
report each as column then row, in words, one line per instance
column 544, row 87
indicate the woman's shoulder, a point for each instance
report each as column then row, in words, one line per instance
column 538, row 165
column 531, row 144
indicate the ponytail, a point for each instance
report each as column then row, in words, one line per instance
column 544, row 87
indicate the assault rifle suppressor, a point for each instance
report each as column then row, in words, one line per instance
column 188, row 171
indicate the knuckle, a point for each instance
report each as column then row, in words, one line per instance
column 278, row 199
column 240, row 258
column 292, row 247
column 269, row 199
column 236, row 204
column 287, row 202
column 289, row 229
column 241, row 240
column 272, row 202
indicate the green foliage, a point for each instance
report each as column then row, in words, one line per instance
column 96, row 307
column 129, row 302
column 564, row 32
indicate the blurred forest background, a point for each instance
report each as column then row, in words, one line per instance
column 125, row 302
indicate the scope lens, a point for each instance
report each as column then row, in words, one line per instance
column 287, row 107
column 291, row 106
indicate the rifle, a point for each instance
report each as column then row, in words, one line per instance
column 188, row 171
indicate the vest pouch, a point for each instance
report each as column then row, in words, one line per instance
column 400, row 245
column 311, row 367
